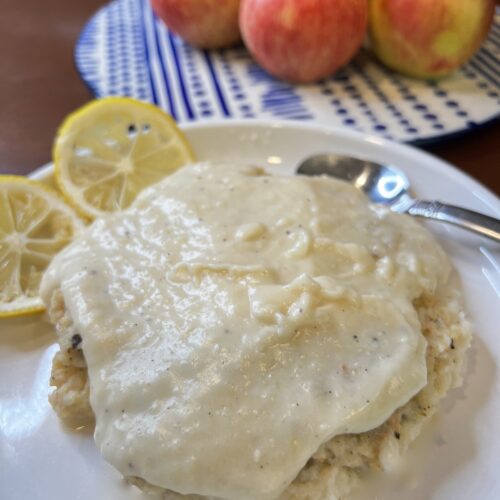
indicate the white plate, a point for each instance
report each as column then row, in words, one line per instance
column 460, row 452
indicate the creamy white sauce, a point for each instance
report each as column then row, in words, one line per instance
column 232, row 322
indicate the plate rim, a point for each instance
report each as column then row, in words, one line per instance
column 493, row 202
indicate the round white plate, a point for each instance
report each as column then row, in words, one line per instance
column 457, row 458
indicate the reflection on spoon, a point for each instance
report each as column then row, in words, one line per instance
column 389, row 186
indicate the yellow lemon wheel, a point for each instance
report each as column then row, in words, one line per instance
column 109, row 150
column 35, row 224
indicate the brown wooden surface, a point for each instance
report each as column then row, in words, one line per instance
column 39, row 85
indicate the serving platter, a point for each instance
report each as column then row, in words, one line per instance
column 456, row 457
column 124, row 49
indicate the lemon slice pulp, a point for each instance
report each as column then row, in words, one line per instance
column 109, row 150
column 35, row 224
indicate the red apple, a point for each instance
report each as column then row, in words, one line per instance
column 303, row 41
column 208, row 24
column 428, row 38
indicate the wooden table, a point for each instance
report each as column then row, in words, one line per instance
column 39, row 85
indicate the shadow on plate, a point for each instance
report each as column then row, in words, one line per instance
column 447, row 444
column 26, row 333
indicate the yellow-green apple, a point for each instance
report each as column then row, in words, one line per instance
column 208, row 24
column 303, row 41
column 428, row 38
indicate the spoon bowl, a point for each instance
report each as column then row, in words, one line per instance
column 388, row 185
column 383, row 184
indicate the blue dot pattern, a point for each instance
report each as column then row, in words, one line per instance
column 126, row 50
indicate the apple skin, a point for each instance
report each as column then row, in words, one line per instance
column 428, row 38
column 303, row 41
column 207, row 24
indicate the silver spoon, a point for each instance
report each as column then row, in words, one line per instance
column 389, row 186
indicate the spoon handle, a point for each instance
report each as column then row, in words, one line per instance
column 466, row 219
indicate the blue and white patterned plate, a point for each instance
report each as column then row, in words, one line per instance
column 125, row 50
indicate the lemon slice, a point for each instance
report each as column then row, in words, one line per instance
column 106, row 152
column 35, row 223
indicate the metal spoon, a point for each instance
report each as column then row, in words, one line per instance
column 389, row 186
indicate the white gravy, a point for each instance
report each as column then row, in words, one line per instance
column 232, row 322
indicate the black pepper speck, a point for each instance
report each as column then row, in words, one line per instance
column 76, row 340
